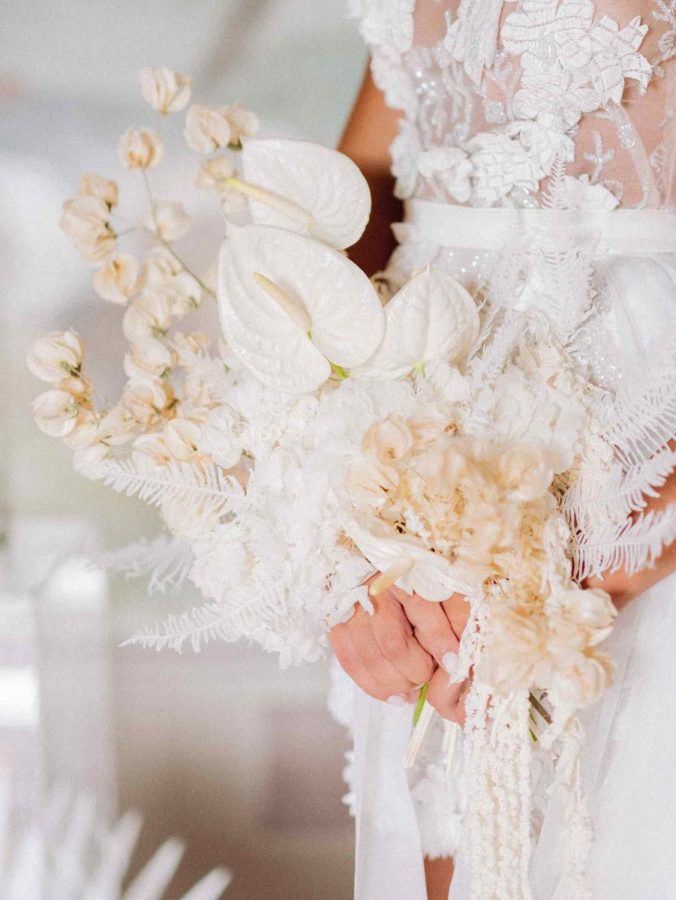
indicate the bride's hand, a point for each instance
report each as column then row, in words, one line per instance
column 449, row 699
column 392, row 652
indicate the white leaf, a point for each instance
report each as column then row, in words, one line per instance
column 431, row 317
column 430, row 575
column 345, row 316
column 321, row 181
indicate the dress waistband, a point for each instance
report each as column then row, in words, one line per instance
column 630, row 231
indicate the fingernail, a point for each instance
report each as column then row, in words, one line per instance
column 450, row 662
column 396, row 700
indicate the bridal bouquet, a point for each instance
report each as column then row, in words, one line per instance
column 333, row 431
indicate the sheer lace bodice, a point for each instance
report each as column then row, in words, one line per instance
column 500, row 95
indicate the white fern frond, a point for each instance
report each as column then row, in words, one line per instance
column 156, row 484
column 638, row 425
column 635, row 545
column 599, row 496
column 567, row 294
column 198, row 627
column 167, row 560
column 500, row 343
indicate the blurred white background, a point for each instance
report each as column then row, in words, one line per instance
column 222, row 748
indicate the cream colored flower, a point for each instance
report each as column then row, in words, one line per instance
column 147, row 316
column 182, row 439
column 169, row 220
column 140, row 148
column 55, row 356
column 188, row 345
column 85, row 221
column 389, row 440
column 160, row 266
column 183, row 293
column 92, row 185
column 218, row 438
column 165, row 90
column 150, row 449
column 516, row 650
column 77, row 386
column 147, row 359
column 243, row 123
column 189, row 520
column 583, row 681
column 525, row 473
column 369, row 481
column 589, row 612
column 56, row 412
column 214, row 172
column 145, row 400
column 116, row 281
column 117, row 427
column 85, row 432
column 207, row 129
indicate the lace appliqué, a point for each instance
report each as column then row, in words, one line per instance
column 506, row 100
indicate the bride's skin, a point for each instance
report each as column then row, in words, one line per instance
column 406, row 641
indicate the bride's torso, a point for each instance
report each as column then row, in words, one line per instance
column 499, row 96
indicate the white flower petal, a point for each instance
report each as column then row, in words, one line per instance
column 431, row 317
column 321, row 181
column 430, row 575
column 345, row 315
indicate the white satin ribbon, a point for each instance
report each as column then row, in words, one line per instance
column 626, row 231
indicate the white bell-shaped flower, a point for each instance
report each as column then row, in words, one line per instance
column 293, row 309
column 304, row 187
column 431, row 317
column 406, row 563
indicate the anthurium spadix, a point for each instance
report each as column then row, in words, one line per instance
column 431, row 317
column 292, row 309
column 405, row 563
column 306, row 188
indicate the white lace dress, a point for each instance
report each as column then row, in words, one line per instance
column 537, row 159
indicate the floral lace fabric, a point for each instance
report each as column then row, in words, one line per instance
column 495, row 92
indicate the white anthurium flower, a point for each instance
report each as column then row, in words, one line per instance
column 292, row 308
column 404, row 562
column 431, row 317
column 304, row 187
column 56, row 412
column 55, row 356
column 165, row 90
